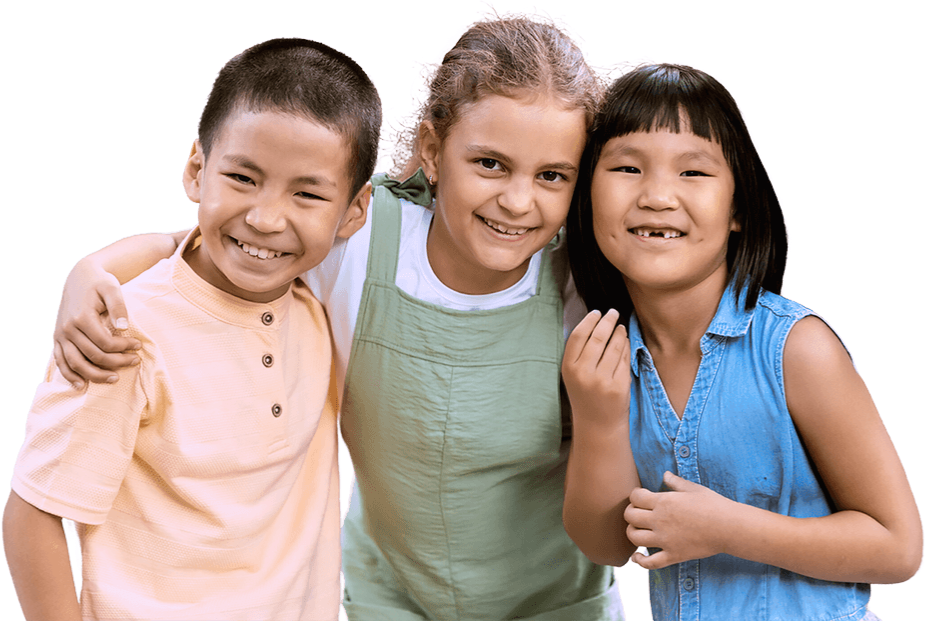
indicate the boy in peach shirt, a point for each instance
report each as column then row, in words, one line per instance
column 204, row 482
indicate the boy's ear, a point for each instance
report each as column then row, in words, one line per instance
column 429, row 148
column 192, row 172
column 356, row 214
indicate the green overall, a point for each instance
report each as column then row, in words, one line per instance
column 453, row 423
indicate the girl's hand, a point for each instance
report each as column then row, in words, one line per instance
column 92, row 311
column 685, row 522
column 596, row 369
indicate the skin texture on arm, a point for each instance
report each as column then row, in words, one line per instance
column 37, row 553
column 92, row 307
column 601, row 473
column 874, row 535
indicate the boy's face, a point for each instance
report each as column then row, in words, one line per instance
column 273, row 195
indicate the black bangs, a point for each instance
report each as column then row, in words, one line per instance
column 670, row 97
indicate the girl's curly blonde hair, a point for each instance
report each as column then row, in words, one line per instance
column 513, row 54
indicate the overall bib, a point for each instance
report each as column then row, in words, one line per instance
column 454, row 426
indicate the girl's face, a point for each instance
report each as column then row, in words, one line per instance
column 505, row 175
column 662, row 208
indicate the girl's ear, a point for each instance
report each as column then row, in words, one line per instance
column 429, row 148
column 192, row 172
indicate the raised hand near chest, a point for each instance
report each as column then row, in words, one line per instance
column 686, row 522
column 596, row 370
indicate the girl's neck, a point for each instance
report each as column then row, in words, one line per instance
column 672, row 322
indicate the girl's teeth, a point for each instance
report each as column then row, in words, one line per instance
column 504, row 229
column 652, row 233
column 260, row 253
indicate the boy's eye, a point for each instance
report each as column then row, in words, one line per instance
column 694, row 173
column 309, row 195
column 239, row 178
column 627, row 169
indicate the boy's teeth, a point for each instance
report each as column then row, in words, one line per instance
column 501, row 228
column 260, row 253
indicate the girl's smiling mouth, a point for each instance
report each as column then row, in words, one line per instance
column 504, row 229
column 664, row 233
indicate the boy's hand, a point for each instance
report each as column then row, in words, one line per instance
column 596, row 369
column 685, row 522
column 85, row 345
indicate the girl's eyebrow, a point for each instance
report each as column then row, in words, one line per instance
column 492, row 154
column 695, row 155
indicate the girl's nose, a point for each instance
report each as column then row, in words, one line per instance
column 658, row 194
column 517, row 197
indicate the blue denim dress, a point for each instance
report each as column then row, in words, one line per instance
column 737, row 438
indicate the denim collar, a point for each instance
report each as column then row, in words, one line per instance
column 730, row 321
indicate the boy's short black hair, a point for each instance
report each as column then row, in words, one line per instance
column 665, row 96
column 306, row 78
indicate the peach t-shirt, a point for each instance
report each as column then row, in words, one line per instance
column 204, row 482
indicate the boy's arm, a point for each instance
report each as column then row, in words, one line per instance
column 601, row 472
column 85, row 346
column 37, row 554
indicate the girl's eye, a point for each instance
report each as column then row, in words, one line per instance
column 627, row 169
column 552, row 175
column 488, row 163
column 694, row 173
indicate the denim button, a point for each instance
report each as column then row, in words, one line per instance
column 688, row 584
column 684, row 451
column 267, row 318
column 277, row 409
column 268, row 360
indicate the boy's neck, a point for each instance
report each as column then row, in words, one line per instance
column 672, row 322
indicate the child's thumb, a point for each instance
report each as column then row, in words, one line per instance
column 675, row 482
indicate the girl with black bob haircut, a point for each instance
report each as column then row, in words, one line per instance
column 662, row 97
column 755, row 502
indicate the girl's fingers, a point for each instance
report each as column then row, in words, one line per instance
column 599, row 339
column 65, row 369
column 111, row 294
column 579, row 337
column 82, row 356
column 657, row 560
column 615, row 352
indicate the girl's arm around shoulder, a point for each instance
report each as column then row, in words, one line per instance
column 601, row 472
column 876, row 534
column 37, row 554
column 85, row 346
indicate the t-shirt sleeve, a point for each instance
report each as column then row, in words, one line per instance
column 79, row 444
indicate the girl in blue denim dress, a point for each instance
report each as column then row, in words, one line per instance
column 764, row 484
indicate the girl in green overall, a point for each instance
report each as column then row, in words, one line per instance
column 447, row 312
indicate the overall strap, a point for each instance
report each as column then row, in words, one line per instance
column 387, row 220
column 546, row 284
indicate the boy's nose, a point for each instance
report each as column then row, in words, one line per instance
column 266, row 217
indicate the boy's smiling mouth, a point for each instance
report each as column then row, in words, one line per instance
column 260, row 253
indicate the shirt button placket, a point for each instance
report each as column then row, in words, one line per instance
column 267, row 319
